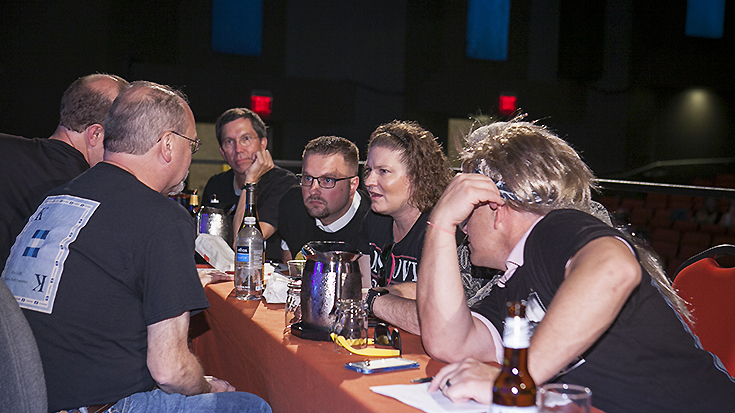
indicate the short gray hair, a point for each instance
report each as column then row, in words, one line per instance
column 141, row 114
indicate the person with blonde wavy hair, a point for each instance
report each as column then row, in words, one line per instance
column 604, row 315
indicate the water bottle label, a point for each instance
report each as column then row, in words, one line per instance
column 243, row 253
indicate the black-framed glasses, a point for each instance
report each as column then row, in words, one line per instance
column 385, row 337
column 325, row 182
column 194, row 145
column 385, row 274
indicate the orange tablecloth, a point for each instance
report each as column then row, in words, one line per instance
column 244, row 344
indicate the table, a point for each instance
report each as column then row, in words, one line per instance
column 243, row 342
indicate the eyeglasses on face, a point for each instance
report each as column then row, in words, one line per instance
column 325, row 182
column 244, row 140
column 385, row 273
column 194, row 145
column 385, row 337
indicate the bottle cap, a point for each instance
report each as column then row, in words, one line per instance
column 249, row 221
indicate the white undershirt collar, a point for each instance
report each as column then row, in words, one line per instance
column 345, row 219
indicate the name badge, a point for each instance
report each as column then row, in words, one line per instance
column 36, row 262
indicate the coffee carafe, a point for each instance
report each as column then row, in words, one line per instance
column 215, row 221
column 331, row 273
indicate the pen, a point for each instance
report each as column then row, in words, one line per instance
column 423, row 380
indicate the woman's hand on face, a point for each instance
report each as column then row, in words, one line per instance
column 464, row 193
column 467, row 380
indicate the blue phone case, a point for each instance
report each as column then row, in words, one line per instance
column 382, row 365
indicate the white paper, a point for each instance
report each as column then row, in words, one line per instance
column 276, row 289
column 417, row 395
column 216, row 251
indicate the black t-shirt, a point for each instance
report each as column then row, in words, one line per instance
column 297, row 227
column 268, row 193
column 647, row 361
column 377, row 232
column 130, row 266
column 29, row 168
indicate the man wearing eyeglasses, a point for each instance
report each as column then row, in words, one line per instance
column 327, row 206
column 107, row 289
column 243, row 143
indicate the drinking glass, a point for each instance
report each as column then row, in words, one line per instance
column 293, row 304
column 351, row 323
column 295, row 268
column 564, row 398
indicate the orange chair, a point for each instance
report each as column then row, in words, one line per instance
column 709, row 289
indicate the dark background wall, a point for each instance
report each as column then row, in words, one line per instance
column 618, row 79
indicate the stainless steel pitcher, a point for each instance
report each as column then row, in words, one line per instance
column 216, row 222
column 330, row 274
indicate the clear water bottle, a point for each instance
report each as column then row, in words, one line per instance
column 249, row 262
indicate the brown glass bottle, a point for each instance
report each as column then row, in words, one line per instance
column 514, row 389
column 194, row 203
column 249, row 193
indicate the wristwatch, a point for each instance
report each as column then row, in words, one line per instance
column 371, row 295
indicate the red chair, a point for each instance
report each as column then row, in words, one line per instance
column 685, row 226
column 713, row 229
column 661, row 219
column 699, row 239
column 666, row 234
column 639, row 216
column 709, row 289
column 655, row 200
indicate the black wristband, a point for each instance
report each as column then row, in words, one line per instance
column 371, row 295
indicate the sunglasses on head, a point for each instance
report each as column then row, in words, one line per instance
column 385, row 337
column 385, row 274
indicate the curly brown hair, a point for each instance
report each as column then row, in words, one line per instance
column 428, row 168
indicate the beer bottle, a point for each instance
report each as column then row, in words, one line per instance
column 514, row 389
column 193, row 203
column 249, row 193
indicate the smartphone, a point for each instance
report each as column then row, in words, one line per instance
column 380, row 365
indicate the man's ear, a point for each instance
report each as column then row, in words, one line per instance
column 354, row 183
column 166, row 147
column 94, row 134
column 501, row 213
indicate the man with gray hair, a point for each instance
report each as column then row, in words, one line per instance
column 108, row 289
column 605, row 315
column 31, row 167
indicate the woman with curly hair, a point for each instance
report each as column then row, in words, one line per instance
column 405, row 174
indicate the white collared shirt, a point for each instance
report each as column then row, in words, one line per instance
column 337, row 225
column 345, row 219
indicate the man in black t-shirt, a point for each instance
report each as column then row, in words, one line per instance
column 31, row 167
column 326, row 206
column 107, row 289
column 243, row 144
column 605, row 314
